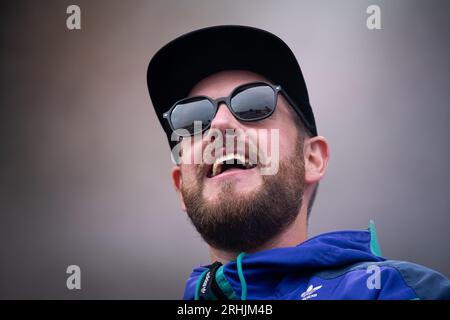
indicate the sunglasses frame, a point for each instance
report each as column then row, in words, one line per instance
column 227, row 101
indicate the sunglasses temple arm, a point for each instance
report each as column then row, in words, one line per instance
column 298, row 111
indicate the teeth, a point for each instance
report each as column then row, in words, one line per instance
column 217, row 165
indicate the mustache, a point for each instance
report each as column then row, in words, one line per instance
column 259, row 147
column 245, row 148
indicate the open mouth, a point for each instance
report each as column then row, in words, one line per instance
column 228, row 162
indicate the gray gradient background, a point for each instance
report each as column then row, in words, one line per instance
column 85, row 167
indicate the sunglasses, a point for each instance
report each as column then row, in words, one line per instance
column 249, row 102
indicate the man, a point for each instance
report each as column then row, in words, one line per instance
column 241, row 90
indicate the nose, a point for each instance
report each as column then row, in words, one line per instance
column 224, row 119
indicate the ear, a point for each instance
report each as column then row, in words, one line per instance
column 177, row 183
column 316, row 153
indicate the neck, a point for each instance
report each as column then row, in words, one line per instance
column 295, row 234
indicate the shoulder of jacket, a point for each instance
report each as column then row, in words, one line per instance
column 425, row 282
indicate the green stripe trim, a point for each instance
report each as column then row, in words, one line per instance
column 374, row 245
column 225, row 285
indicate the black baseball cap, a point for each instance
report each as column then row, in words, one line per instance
column 179, row 65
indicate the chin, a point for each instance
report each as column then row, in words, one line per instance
column 231, row 188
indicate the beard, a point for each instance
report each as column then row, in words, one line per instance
column 242, row 223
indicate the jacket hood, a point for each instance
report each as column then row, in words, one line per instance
column 265, row 272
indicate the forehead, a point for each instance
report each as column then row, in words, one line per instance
column 222, row 83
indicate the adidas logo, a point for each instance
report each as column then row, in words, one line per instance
column 310, row 292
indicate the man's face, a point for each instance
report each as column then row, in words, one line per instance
column 241, row 209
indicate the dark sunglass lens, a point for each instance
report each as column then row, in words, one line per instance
column 188, row 111
column 255, row 102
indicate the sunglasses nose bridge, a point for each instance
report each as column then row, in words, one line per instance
column 223, row 118
column 221, row 101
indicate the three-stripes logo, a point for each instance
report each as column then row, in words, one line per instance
column 310, row 292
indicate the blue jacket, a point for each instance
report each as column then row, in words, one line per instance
column 335, row 265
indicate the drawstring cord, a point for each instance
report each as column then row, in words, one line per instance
column 240, row 274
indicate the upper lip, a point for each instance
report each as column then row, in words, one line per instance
column 221, row 157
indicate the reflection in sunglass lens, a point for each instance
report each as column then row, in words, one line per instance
column 195, row 109
column 254, row 102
